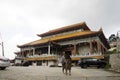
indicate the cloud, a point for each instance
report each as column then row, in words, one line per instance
column 10, row 46
column 21, row 20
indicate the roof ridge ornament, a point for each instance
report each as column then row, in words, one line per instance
column 100, row 29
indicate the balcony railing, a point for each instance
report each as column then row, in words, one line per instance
column 43, row 55
column 54, row 55
column 87, row 55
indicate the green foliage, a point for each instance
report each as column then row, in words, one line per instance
column 112, row 38
column 107, row 66
column 114, row 51
column 111, row 52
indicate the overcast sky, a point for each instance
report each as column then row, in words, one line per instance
column 21, row 20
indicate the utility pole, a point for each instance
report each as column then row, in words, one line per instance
column 2, row 45
column 2, row 49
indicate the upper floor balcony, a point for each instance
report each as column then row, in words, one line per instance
column 56, row 57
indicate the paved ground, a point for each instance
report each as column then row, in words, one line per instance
column 55, row 73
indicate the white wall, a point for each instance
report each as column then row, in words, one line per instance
column 84, row 49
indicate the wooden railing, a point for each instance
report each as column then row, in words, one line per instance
column 42, row 57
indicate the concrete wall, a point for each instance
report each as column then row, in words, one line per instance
column 118, row 45
column 84, row 50
column 115, row 62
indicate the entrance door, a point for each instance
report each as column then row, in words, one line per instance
column 68, row 52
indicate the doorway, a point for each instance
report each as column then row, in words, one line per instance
column 68, row 52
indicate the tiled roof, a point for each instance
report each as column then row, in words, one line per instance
column 81, row 25
column 61, row 37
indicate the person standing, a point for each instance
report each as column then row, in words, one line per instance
column 68, row 63
column 63, row 61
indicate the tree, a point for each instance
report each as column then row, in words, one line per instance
column 112, row 38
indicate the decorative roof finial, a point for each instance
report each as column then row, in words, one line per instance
column 100, row 29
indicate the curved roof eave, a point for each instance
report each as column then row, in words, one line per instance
column 66, row 28
column 57, row 38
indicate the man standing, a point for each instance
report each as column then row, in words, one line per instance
column 63, row 61
column 66, row 63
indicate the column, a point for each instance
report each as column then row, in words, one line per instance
column 33, row 51
column 100, row 49
column 49, row 49
column 29, row 53
column 21, row 53
column 98, row 46
column 91, row 48
column 74, row 49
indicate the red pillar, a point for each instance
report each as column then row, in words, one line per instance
column 91, row 47
column 98, row 46
column 74, row 49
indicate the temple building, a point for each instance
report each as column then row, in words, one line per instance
column 77, row 40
